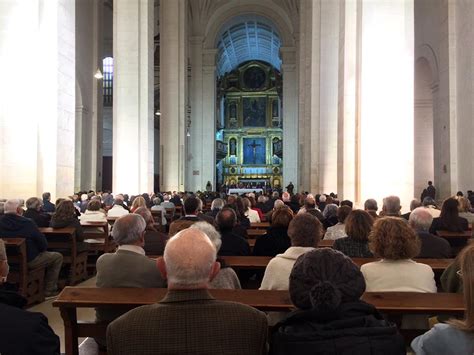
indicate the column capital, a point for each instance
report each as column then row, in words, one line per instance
column 209, row 57
column 288, row 55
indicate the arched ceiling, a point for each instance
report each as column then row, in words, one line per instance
column 247, row 38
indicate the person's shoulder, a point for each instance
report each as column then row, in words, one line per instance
column 249, row 314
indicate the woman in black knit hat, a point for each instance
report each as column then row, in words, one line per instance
column 326, row 287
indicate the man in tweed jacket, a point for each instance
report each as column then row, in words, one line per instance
column 189, row 320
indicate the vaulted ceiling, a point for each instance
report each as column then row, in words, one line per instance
column 248, row 38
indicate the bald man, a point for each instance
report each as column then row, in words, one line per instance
column 189, row 319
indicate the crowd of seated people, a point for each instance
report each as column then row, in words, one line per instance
column 297, row 223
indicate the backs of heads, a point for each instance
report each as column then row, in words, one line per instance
column 128, row 229
column 33, row 203
column 343, row 212
column 11, row 206
column 371, row 205
column 305, row 230
column 450, row 207
column 464, row 205
column 46, row 196
column 226, row 218
column 94, row 205
column 428, row 201
column 209, row 230
column 420, row 219
column 330, row 210
column 146, row 214
column 391, row 205
column 309, row 202
column 392, row 238
column 347, row 203
column 217, row 203
column 278, row 204
column 322, row 198
column 282, row 217
column 358, row 225
column 65, row 210
column 189, row 257
column 322, row 279
column 191, row 205
column 156, row 201
column 415, row 203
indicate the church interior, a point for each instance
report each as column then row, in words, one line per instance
column 309, row 102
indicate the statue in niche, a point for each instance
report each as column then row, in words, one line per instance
column 233, row 146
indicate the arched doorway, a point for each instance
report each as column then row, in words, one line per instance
column 249, row 127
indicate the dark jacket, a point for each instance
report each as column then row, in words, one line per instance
column 433, row 247
column 23, row 332
column 276, row 241
column 438, row 224
column 48, row 206
column 41, row 219
column 353, row 248
column 14, row 226
column 72, row 222
column 155, row 242
column 354, row 328
column 233, row 244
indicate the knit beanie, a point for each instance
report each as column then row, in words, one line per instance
column 324, row 278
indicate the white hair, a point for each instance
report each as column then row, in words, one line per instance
column 217, row 203
column 209, row 230
column 421, row 219
column 128, row 229
column 186, row 271
column 278, row 204
column 322, row 198
column 84, row 197
column 11, row 206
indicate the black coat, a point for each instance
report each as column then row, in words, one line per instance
column 355, row 328
column 41, row 219
column 276, row 241
column 14, row 226
column 23, row 332
column 433, row 247
column 438, row 224
column 233, row 244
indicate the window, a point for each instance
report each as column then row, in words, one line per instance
column 108, row 70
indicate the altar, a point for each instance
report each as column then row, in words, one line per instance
column 244, row 191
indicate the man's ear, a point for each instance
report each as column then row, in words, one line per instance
column 216, row 267
column 160, row 263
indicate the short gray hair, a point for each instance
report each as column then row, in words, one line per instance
column 195, row 269
column 415, row 203
column 156, row 201
column 33, row 203
column 209, row 230
column 391, row 205
column 370, row 204
column 278, row 204
column 128, row 229
column 11, row 206
column 421, row 219
column 217, row 203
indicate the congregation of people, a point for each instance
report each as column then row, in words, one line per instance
column 185, row 253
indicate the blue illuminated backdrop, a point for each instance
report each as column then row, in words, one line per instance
column 254, row 151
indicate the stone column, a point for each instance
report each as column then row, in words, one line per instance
column 173, row 78
column 37, row 145
column 290, row 117
column 133, row 97
column 386, row 100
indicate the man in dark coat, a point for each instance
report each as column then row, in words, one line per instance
column 232, row 244
column 48, row 207
column 34, row 212
column 432, row 246
column 22, row 332
column 12, row 224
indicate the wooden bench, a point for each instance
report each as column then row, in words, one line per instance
column 30, row 281
column 321, row 244
column 72, row 298
column 261, row 262
column 454, row 235
column 107, row 244
column 260, row 225
column 254, row 233
column 63, row 240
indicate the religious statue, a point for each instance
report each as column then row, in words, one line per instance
column 254, row 146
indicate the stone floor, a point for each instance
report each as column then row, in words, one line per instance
column 54, row 318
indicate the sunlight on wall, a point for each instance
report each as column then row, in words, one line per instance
column 386, row 111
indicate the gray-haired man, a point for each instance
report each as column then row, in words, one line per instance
column 128, row 266
column 189, row 319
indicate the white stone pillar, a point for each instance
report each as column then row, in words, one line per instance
column 348, row 104
column 386, row 100
column 173, row 78
column 290, row 116
column 328, row 94
column 37, row 147
column 133, row 97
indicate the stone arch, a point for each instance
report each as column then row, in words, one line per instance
column 226, row 13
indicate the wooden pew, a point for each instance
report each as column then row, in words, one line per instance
column 261, row 225
column 454, row 235
column 30, row 281
column 107, row 244
column 321, row 244
column 64, row 241
column 254, row 233
column 261, row 262
column 72, row 298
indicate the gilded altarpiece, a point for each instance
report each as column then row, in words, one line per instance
column 251, row 125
